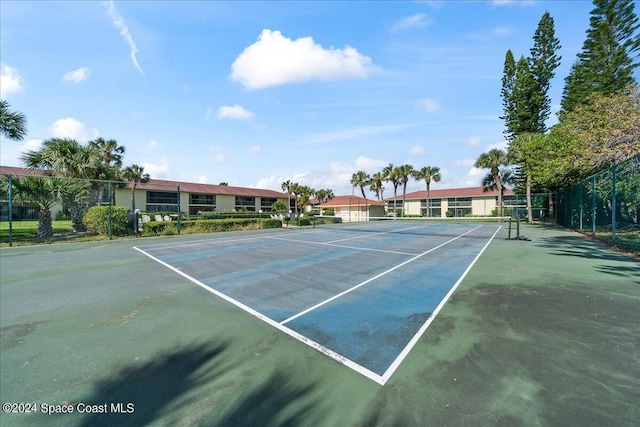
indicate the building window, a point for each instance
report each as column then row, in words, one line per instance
column 433, row 203
column 459, row 202
column 202, row 199
column 245, row 203
column 267, row 202
column 170, row 198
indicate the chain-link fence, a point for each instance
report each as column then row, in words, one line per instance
column 605, row 205
column 106, row 207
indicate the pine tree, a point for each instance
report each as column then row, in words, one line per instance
column 609, row 54
column 542, row 64
column 508, row 103
column 525, row 84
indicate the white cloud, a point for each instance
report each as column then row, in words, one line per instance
column 119, row 23
column 514, row 2
column 464, row 162
column 77, row 75
column 218, row 155
column 203, row 180
column 10, row 81
column 255, row 149
column 502, row 31
column 234, row 112
column 414, row 21
column 431, row 105
column 474, row 141
column 368, row 164
column 503, row 145
column 157, row 170
column 354, row 133
column 276, row 60
column 152, row 144
column 72, row 128
column 417, row 149
column 32, row 145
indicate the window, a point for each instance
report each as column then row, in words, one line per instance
column 267, row 202
column 460, row 201
column 433, row 203
column 202, row 199
column 162, row 197
column 246, row 203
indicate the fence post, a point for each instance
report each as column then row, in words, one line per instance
column 613, row 205
column 10, row 209
column 110, row 212
column 593, row 206
column 179, row 213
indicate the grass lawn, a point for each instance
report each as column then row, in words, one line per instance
column 25, row 232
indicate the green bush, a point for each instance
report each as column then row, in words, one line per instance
column 97, row 220
column 158, row 228
column 271, row 223
column 304, row 221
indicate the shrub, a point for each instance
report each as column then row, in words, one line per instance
column 155, row 228
column 97, row 220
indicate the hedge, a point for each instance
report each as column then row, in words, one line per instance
column 97, row 220
column 155, row 228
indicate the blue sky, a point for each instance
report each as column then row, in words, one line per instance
column 256, row 93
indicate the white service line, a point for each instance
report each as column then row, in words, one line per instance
column 372, row 233
column 320, row 304
column 358, row 248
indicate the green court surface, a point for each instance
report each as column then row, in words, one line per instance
column 540, row 332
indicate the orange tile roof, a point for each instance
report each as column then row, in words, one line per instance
column 164, row 185
column 452, row 192
column 350, row 201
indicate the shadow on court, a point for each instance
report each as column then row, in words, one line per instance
column 177, row 380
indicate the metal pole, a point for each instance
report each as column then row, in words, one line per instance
column 110, row 212
column 10, row 207
column 593, row 206
column 613, row 205
column 179, row 215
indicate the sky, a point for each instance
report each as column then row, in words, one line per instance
column 256, row 93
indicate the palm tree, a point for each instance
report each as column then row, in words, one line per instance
column 376, row 185
column 428, row 174
column 13, row 125
column 45, row 192
column 404, row 172
column 66, row 157
column 361, row 179
column 492, row 160
column 286, row 187
column 109, row 151
column 507, row 177
column 390, row 173
column 135, row 174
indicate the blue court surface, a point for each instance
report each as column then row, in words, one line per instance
column 363, row 297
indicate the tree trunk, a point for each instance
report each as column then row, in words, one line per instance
column 529, row 207
column 45, row 226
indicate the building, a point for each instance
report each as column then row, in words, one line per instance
column 353, row 208
column 455, row 202
column 161, row 196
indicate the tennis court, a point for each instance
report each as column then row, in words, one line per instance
column 361, row 294
column 538, row 332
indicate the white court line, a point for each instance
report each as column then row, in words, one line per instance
column 328, row 300
column 332, row 354
column 371, row 233
column 403, row 354
column 341, row 246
